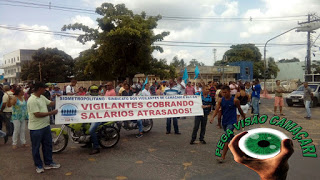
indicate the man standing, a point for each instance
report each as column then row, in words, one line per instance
column 39, row 125
column 278, row 98
column 5, row 82
column 206, row 106
column 144, row 92
column 7, row 110
column 153, row 89
column 109, row 89
column 70, row 89
column 229, row 105
column 170, row 91
column 256, row 96
column 213, row 90
column 308, row 96
column 181, row 85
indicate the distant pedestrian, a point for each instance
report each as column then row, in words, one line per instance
column 159, row 92
column 228, row 106
column 234, row 88
column 169, row 91
column 244, row 99
column 181, row 85
column 198, row 88
column 202, row 120
column 39, row 125
column 7, row 109
column 278, row 98
column 70, row 89
column 109, row 89
column 127, row 91
column 307, row 97
column 153, row 89
column 256, row 88
column 4, row 136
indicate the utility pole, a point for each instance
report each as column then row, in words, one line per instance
column 309, row 49
column 40, row 71
column 309, row 26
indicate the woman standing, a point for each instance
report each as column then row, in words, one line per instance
column 244, row 99
column 19, row 116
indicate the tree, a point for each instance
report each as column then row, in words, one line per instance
column 162, row 69
column 194, row 62
column 55, row 66
column 289, row 60
column 178, row 63
column 123, row 43
column 249, row 52
column 315, row 66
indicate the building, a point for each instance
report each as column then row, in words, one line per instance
column 246, row 70
column 12, row 64
column 222, row 74
column 291, row 71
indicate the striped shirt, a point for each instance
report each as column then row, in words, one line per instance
column 172, row 91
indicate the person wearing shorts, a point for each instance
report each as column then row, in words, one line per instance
column 228, row 106
column 244, row 99
column 278, row 99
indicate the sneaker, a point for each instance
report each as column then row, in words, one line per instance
column 139, row 135
column 6, row 139
column 192, row 142
column 39, row 170
column 94, row 151
column 177, row 133
column 203, row 142
column 307, row 117
column 167, row 132
column 52, row 166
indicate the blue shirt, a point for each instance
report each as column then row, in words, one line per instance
column 205, row 101
column 229, row 111
column 256, row 92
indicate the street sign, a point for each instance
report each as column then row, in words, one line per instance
column 309, row 27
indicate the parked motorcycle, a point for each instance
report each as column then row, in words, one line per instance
column 108, row 135
column 131, row 125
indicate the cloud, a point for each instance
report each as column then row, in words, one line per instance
column 26, row 40
column 85, row 20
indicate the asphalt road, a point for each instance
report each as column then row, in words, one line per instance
column 160, row 156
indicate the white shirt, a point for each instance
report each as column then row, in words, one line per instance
column 70, row 89
column 5, row 99
column 146, row 93
column 172, row 91
column 180, row 88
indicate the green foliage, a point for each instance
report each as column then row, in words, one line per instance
column 249, row 52
column 178, row 63
column 122, row 46
column 56, row 66
column 289, row 60
column 194, row 62
column 162, row 69
column 315, row 66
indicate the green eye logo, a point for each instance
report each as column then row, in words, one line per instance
column 262, row 143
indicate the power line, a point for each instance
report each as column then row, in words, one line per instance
column 170, row 18
column 221, row 43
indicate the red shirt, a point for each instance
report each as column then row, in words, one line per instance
column 190, row 90
column 110, row 93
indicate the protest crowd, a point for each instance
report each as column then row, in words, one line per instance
column 35, row 103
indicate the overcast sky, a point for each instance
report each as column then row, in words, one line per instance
column 269, row 18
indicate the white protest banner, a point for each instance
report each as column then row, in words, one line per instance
column 87, row 109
